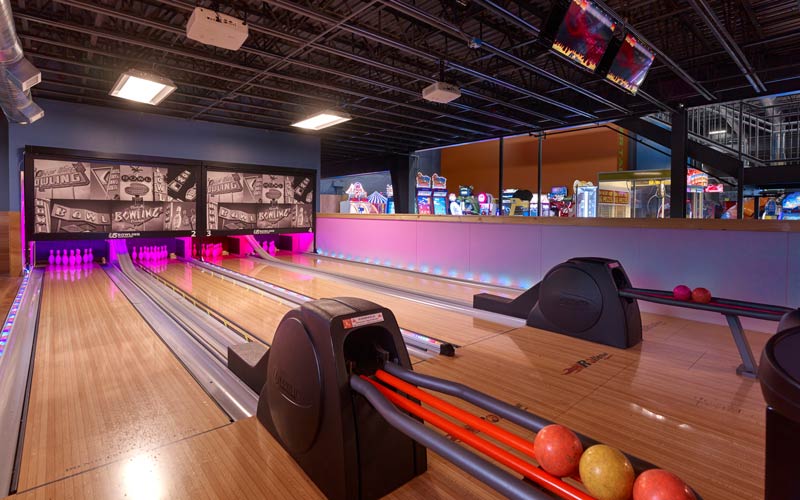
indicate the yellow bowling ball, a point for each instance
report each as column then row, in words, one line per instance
column 606, row 473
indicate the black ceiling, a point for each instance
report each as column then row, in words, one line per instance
column 372, row 58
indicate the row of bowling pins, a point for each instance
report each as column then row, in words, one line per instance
column 73, row 259
column 150, row 253
column 269, row 247
column 209, row 250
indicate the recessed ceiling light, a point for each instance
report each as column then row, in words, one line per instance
column 141, row 86
column 323, row 119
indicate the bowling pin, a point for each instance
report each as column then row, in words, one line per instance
column 51, row 259
column 86, row 255
column 78, row 257
column 135, row 254
column 91, row 256
column 71, row 258
column 58, row 257
column 272, row 248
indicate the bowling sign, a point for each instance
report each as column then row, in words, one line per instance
column 101, row 197
column 259, row 202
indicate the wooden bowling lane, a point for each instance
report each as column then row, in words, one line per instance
column 460, row 291
column 104, row 386
column 676, row 404
column 240, row 461
column 432, row 321
column 257, row 314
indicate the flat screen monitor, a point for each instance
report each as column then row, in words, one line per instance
column 584, row 34
column 259, row 200
column 73, row 195
column 631, row 64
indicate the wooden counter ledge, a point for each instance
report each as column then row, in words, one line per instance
column 699, row 224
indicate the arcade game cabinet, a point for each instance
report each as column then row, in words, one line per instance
column 424, row 194
column 439, row 194
column 790, row 207
column 517, row 202
column 486, row 204
column 469, row 205
column 390, row 209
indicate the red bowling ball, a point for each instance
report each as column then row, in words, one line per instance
column 701, row 295
column 682, row 292
column 657, row 484
column 558, row 450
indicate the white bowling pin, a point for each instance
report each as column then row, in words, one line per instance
column 91, row 256
column 58, row 257
column 71, row 259
column 135, row 254
column 51, row 259
column 86, row 255
column 78, row 257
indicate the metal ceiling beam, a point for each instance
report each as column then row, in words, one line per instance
column 282, row 62
column 663, row 57
column 377, row 37
column 725, row 39
column 250, row 118
column 508, row 15
column 380, row 65
column 214, row 60
column 100, row 10
column 394, row 124
column 433, row 21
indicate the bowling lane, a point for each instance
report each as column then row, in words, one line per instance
column 104, row 385
column 432, row 321
column 256, row 313
column 678, row 405
column 460, row 291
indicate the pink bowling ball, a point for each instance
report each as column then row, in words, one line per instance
column 682, row 292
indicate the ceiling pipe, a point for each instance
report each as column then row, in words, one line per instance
column 664, row 58
column 725, row 39
column 216, row 60
column 380, row 123
column 435, row 22
column 310, row 45
column 533, row 30
column 17, row 74
column 376, row 37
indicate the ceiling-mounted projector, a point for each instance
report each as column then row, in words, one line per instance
column 441, row 92
column 213, row 28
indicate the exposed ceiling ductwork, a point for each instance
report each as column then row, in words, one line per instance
column 17, row 74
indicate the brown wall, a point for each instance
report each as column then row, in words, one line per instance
column 10, row 248
column 581, row 154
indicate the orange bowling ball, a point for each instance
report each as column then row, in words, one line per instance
column 558, row 450
column 606, row 473
column 701, row 295
column 658, row 484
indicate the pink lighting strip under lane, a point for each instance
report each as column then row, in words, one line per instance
column 12, row 313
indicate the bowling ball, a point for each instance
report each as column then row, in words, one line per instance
column 658, row 484
column 606, row 473
column 701, row 295
column 682, row 292
column 558, row 450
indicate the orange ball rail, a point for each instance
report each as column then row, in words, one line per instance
column 482, row 425
column 528, row 470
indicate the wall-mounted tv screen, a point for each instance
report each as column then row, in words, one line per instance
column 78, row 197
column 584, row 33
column 631, row 64
column 259, row 200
